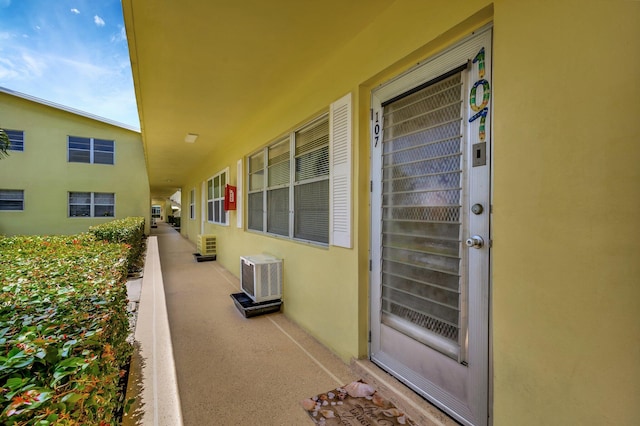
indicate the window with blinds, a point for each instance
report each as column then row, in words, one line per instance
column 215, row 199
column 92, row 204
column 421, row 221
column 16, row 139
column 289, row 185
column 192, row 204
column 299, row 187
column 90, row 150
column 278, row 172
column 311, row 195
column 11, row 199
column 255, row 202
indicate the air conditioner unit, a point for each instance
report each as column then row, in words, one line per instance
column 261, row 277
column 206, row 244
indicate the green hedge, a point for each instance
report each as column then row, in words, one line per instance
column 63, row 330
column 128, row 231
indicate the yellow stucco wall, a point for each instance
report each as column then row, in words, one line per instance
column 565, row 294
column 45, row 175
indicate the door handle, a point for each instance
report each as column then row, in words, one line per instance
column 475, row 241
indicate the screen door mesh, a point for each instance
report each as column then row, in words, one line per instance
column 421, row 204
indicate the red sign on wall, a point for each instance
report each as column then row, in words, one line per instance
column 230, row 197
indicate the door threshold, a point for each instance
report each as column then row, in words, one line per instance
column 406, row 400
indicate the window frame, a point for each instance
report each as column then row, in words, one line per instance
column 16, row 139
column 94, row 149
column 9, row 200
column 92, row 204
column 156, row 212
column 192, row 204
column 266, row 188
column 215, row 198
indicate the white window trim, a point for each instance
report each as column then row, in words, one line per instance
column 225, row 214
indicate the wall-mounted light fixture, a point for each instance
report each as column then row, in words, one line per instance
column 191, row 137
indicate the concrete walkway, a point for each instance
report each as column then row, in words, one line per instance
column 201, row 362
column 233, row 370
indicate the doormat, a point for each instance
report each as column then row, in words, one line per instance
column 357, row 403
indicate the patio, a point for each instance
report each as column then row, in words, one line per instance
column 230, row 369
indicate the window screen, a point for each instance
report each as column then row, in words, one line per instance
column 11, row 199
column 16, row 139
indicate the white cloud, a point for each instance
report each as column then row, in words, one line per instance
column 8, row 70
column 75, row 11
column 98, row 21
column 120, row 36
column 19, row 66
column 33, row 66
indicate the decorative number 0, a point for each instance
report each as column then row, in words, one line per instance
column 486, row 94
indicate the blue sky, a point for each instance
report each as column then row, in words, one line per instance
column 71, row 52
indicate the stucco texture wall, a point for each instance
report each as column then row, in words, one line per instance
column 46, row 176
column 566, row 197
column 564, row 288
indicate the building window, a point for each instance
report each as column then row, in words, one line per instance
column 90, row 150
column 215, row 198
column 92, row 204
column 192, row 204
column 155, row 212
column 16, row 139
column 289, row 185
column 11, row 200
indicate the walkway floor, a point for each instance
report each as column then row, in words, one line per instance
column 233, row 370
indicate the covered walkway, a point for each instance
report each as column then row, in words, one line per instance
column 233, row 370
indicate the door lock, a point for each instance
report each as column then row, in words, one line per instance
column 475, row 242
column 477, row 209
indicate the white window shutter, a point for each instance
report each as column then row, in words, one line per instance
column 340, row 180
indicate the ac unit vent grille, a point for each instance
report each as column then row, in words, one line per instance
column 247, row 279
column 261, row 277
column 206, row 244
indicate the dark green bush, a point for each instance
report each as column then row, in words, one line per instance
column 63, row 330
column 128, row 231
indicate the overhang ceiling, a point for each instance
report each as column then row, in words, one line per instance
column 209, row 66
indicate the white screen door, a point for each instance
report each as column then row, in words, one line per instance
column 430, row 228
